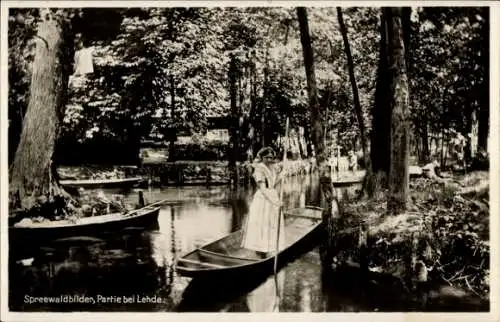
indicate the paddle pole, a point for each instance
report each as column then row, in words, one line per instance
column 279, row 217
column 150, row 192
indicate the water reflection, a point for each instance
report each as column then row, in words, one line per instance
column 264, row 297
column 240, row 202
column 138, row 262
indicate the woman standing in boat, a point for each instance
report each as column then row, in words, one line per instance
column 262, row 225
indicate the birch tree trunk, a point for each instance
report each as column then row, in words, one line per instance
column 473, row 134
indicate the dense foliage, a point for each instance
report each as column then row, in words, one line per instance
column 449, row 72
column 159, row 72
column 451, row 227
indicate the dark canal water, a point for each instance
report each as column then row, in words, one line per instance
column 138, row 266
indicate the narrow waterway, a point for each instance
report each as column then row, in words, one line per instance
column 137, row 266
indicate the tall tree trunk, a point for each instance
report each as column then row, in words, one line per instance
column 15, row 128
column 381, row 119
column 246, row 108
column 483, row 128
column 380, row 151
column 355, row 94
column 483, row 119
column 398, row 171
column 406, row 23
column 32, row 173
column 283, row 61
column 253, row 105
column 252, row 92
column 241, row 94
column 317, row 126
column 264, row 101
column 473, row 143
column 233, row 126
column 425, row 140
column 131, row 145
column 328, row 197
column 442, row 154
column 173, row 129
column 240, row 109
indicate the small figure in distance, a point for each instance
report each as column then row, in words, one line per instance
column 432, row 170
column 353, row 161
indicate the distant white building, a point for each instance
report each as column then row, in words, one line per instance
column 217, row 135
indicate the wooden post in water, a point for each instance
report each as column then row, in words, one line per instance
column 331, row 210
column 150, row 191
column 208, row 178
column 338, row 161
column 142, row 203
column 168, row 274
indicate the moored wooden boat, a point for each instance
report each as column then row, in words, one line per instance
column 101, row 183
column 88, row 226
column 348, row 178
column 346, row 182
column 358, row 177
column 225, row 257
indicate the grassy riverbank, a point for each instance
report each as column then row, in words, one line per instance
column 446, row 229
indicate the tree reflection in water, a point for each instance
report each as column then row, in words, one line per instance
column 138, row 261
column 240, row 202
column 305, row 296
column 141, row 262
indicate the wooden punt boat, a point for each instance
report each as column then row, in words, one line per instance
column 357, row 178
column 226, row 258
column 88, row 226
column 102, row 183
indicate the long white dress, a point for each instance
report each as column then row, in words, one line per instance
column 262, row 225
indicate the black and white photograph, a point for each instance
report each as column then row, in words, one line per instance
column 311, row 157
